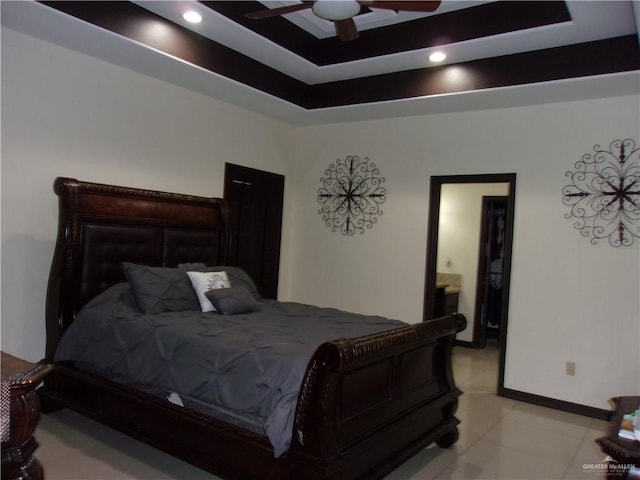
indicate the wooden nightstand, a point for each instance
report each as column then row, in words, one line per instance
column 624, row 452
column 20, row 413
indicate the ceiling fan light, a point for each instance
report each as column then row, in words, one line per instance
column 336, row 9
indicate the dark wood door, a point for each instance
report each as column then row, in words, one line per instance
column 254, row 199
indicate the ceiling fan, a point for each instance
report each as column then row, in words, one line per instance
column 341, row 12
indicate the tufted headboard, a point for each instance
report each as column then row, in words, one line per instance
column 101, row 226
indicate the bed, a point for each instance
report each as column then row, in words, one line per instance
column 362, row 404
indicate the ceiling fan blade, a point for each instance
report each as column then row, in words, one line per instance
column 274, row 12
column 408, row 6
column 346, row 29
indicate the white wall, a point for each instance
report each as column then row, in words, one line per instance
column 66, row 114
column 570, row 300
column 459, row 238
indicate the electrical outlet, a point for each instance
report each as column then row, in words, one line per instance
column 571, row 369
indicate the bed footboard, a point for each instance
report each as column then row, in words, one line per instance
column 368, row 404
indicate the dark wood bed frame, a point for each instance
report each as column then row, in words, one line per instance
column 365, row 406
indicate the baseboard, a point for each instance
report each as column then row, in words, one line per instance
column 576, row 408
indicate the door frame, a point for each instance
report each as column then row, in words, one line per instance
column 435, row 190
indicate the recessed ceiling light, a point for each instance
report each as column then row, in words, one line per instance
column 437, row 57
column 192, row 16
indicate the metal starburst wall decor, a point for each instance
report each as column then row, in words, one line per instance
column 604, row 194
column 351, row 195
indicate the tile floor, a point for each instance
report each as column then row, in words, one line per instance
column 499, row 439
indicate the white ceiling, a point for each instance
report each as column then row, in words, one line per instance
column 592, row 20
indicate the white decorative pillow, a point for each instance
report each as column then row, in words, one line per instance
column 203, row 282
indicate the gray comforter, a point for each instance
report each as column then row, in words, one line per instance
column 249, row 364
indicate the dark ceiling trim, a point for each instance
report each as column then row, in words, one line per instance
column 127, row 19
column 613, row 55
column 457, row 26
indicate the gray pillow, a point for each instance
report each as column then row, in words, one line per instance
column 160, row 289
column 233, row 300
column 191, row 265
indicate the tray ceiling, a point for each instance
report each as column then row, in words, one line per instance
column 293, row 67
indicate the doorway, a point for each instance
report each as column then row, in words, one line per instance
column 437, row 184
